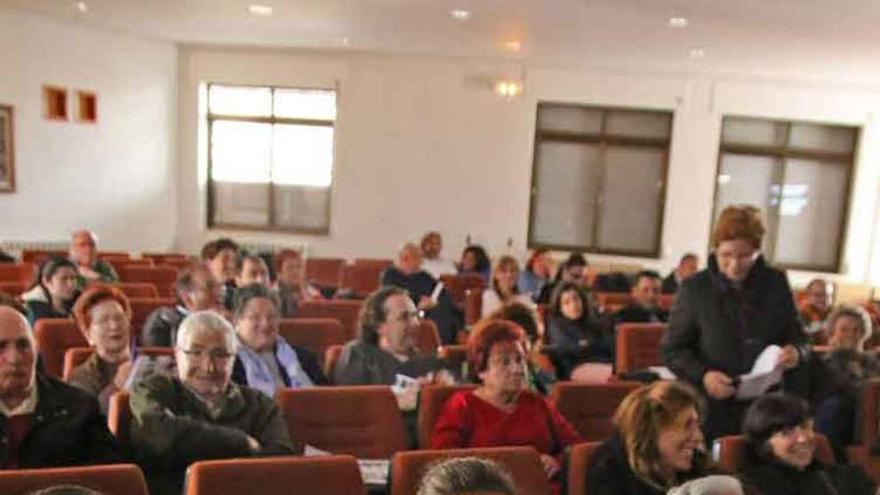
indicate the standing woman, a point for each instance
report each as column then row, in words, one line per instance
column 54, row 291
column 503, row 288
column 727, row 314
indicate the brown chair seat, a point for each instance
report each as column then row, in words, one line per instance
column 589, row 407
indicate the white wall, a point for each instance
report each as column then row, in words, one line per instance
column 422, row 145
column 116, row 177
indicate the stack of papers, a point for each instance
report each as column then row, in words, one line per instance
column 373, row 471
column 765, row 374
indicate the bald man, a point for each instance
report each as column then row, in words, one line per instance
column 44, row 422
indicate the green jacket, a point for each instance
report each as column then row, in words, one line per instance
column 172, row 428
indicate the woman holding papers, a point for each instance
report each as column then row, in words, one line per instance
column 726, row 316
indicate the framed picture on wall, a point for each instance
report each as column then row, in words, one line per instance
column 7, row 155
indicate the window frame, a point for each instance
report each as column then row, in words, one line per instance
column 602, row 140
column 210, row 118
column 780, row 154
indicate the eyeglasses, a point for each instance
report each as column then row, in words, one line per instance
column 216, row 355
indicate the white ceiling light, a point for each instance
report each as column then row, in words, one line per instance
column 698, row 53
column 82, row 7
column 260, row 10
column 678, row 22
column 460, row 15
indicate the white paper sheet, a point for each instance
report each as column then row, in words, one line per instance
column 435, row 294
column 663, row 372
column 374, row 471
column 765, row 374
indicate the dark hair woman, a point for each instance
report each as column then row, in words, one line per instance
column 575, row 335
column 54, row 290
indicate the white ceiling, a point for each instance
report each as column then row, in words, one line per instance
column 839, row 37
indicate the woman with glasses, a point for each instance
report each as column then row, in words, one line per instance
column 502, row 411
column 103, row 314
column 265, row 361
column 200, row 413
column 726, row 315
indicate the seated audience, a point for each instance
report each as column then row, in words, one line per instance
column 291, row 284
column 541, row 372
column 574, row 333
column 407, row 274
column 657, row 444
column 201, row 414
column 251, row 269
column 103, row 314
column 503, row 288
column 780, row 447
column 264, row 360
column 687, row 266
column 386, row 346
column 645, row 295
column 432, row 244
column 196, row 290
column 467, row 475
column 573, row 269
column 54, row 291
column 475, row 260
column 221, row 255
column 815, row 309
column 84, row 253
column 536, row 274
column 45, row 423
column 502, row 411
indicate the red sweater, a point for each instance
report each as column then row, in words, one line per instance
column 468, row 421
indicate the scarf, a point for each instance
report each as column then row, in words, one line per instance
column 260, row 377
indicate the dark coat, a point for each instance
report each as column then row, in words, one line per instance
column 609, row 472
column 307, row 360
column 67, row 429
column 446, row 315
column 670, row 284
column 571, row 343
column 715, row 326
column 636, row 313
column 775, row 478
column 161, row 326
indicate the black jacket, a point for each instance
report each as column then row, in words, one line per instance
column 670, row 284
column 636, row 313
column 571, row 343
column 67, row 429
column 161, row 326
column 775, row 478
column 715, row 326
column 609, row 472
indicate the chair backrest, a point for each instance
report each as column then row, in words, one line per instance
column 166, row 258
column 579, row 458
column 141, row 308
column 473, row 306
column 315, row 334
column 427, row 339
column 14, row 289
column 17, row 272
column 610, row 302
column 323, row 475
column 78, row 355
column 431, row 400
column 143, row 290
column 111, row 256
column 362, row 279
column 54, row 336
column 40, row 255
column 730, row 451
column 458, row 285
column 163, row 277
column 523, row 463
column 331, row 356
column 869, row 413
column 346, row 311
column 124, row 264
column 638, row 346
column 119, row 418
column 361, row 421
column 326, row 272
column 111, row 479
column 589, row 407
column 454, row 355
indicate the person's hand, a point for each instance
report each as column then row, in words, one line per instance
column 426, row 303
column 551, row 467
column 718, row 385
column 122, row 373
column 253, row 445
column 788, row 358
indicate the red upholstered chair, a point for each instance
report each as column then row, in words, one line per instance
column 119, row 417
column 140, row 290
column 315, row 334
column 14, row 289
column 18, row 272
column 590, row 406
column 326, row 475
column 610, row 302
column 638, row 345
column 431, row 400
column 869, row 415
column 473, row 306
column 166, row 258
column 132, row 263
column 111, row 256
column 523, row 463
column 731, row 451
column 39, row 255
column 111, row 479
column 54, row 336
column 331, row 356
column 362, row 279
column 78, row 355
column 427, row 339
column 360, row 421
column 326, row 272
column 163, row 277
column 579, row 458
column 141, row 309
column 346, row 311
column 454, row 355
column 458, row 285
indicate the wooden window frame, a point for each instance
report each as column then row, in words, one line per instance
column 780, row 154
column 603, row 139
column 270, row 186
